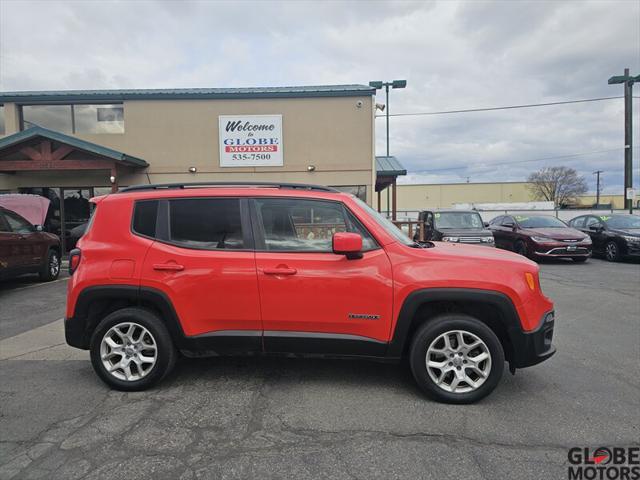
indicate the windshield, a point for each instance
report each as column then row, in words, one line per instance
column 458, row 220
column 388, row 225
column 539, row 222
column 621, row 221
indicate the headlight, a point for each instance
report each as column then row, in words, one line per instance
column 586, row 240
column 487, row 239
column 542, row 240
column 631, row 239
column 450, row 239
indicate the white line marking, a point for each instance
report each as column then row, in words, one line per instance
column 42, row 343
column 42, row 284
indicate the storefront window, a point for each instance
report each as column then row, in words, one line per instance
column 99, row 118
column 75, row 118
column 359, row 191
column 2, row 130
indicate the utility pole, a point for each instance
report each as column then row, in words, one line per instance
column 628, row 82
column 378, row 85
column 597, row 174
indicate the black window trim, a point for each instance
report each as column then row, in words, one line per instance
column 258, row 226
column 133, row 217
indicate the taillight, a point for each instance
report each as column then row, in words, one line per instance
column 74, row 260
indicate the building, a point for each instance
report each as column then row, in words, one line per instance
column 72, row 145
column 412, row 198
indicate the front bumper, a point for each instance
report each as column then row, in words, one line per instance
column 562, row 251
column 531, row 348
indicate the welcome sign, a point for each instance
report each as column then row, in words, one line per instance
column 250, row 140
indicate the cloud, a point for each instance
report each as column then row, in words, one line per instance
column 454, row 55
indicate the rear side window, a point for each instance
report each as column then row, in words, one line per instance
column 144, row 218
column 206, row 223
column 4, row 226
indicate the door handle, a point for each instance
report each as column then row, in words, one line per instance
column 280, row 271
column 173, row 267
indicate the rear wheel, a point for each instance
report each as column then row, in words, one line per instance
column 612, row 251
column 51, row 267
column 456, row 359
column 132, row 350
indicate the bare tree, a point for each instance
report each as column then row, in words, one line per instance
column 560, row 185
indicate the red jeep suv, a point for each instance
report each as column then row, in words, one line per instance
column 289, row 269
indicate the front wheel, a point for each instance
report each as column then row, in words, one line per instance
column 612, row 251
column 132, row 350
column 521, row 248
column 51, row 266
column 456, row 359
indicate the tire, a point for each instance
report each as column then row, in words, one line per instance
column 580, row 259
column 431, row 336
column 612, row 251
column 140, row 375
column 520, row 248
column 50, row 269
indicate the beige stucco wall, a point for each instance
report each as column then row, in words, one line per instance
column 331, row 133
column 421, row 197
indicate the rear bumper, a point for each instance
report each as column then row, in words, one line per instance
column 531, row 348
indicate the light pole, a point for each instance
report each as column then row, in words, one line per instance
column 628, row 81
column 394, row 84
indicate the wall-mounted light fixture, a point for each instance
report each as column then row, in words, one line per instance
column 112, row 179
column 193, row 169
column 311, row 168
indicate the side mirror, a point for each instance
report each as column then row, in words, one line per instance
column 596, row 227
column 39, row 228
column 486, row 224
column 348, row 244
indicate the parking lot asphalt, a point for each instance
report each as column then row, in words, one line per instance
column 228, row 418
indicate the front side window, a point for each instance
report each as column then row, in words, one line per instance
column 206, row 223
column 306, row 225
column 578, row 222
column 17, row 223
column 75, row 118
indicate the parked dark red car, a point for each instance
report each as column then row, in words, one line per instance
column 540, row 236
column 25, row 248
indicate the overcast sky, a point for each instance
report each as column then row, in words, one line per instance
column 454, row 55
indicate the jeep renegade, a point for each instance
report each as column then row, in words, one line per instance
column 289, row 269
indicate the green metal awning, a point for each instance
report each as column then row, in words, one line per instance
column 389, row 167
column 40, row 132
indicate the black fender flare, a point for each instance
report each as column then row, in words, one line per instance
column 508, row 314
column 78, row 328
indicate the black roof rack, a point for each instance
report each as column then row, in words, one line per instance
column 169, row 186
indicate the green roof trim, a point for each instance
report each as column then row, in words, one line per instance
column 75, row 142
column 186, row 94
column 389, row 167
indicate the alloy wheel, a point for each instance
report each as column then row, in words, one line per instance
column 54, row 264
column 128, row 351
column 611, row 251
column 458, row 361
